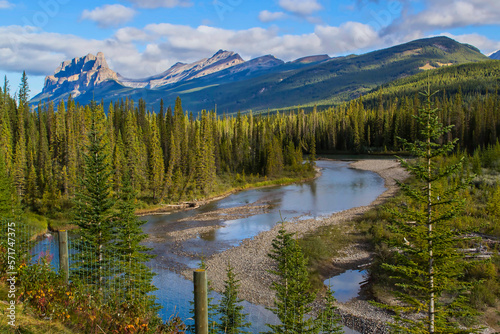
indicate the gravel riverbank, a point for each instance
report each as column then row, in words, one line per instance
column 251, row 263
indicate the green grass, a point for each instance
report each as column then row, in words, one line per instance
column 60, row 220
column 37, row 222
column 275, row 182
column 324, row 244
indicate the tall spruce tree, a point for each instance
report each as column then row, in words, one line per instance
column 205, row 159
column 19, row 167
column 71, row 150
column 329, row 319
column 428, row 266
column 293, row 298
column 23, row 90
column 5, row 130
column 93, row 205
column 130, row 255
column 156, row 161
column 119, row 162
column 232, row 319
column 6, row 191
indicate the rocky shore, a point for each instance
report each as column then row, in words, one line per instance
column 251, row 263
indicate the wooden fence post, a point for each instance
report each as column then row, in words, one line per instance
column 63, row 254
column 200, row 301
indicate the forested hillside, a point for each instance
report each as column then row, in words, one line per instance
column 471, row 78
column 172, row 156
column 175, row 156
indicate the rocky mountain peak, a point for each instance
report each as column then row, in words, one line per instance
column 78, row 75
column 183, row 72
column 219, row 61
column 257, row 64
column 223, row 54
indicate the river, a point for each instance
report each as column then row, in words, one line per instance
column 338, row 188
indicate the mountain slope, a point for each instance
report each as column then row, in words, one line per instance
column 267, row 82
column 332, row 81
column 495, row 55
column 472, row 78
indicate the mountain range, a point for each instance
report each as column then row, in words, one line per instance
column 495, row 55
column 228, row 83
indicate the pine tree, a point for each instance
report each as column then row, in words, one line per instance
column 119, row 162
column 274, row 164
column 130, row 255
column 312, row 155
column 24, row 90
column 156, row 162
column 329, row 320
column 293, row 289
column 134, row 153
column 93, row 214
column 205, row 159
column 71, row 150
column 428, row 265
column 5, row 138
column 493, row 205
column 232, row 319
column 44, row 162
column 31, row 184
column 6, row 191
column 19, row 167
column 173, row 175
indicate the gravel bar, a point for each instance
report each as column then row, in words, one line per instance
column 251, row 263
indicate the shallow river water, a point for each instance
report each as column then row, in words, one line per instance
column 338, row 188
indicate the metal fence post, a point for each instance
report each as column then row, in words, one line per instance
column 63, row 254
column 200, row 301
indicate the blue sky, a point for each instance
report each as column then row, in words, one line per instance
column 141, row 38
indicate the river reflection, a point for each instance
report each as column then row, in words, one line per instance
column 346, row 285
column 338, row 188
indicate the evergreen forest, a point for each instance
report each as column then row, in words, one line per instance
column 146, row 158
column 175, row 155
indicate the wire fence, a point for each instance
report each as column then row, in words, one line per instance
column 32, row 245
column 173, row 292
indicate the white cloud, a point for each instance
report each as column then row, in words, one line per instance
column 19, row 44
column 5, row 4
column 165, row 44
column 300, row 7
column 254, row 42
column 137, row 53
column 130, row 34
column 109, row 15
column 267, row 16
column 348, row 37
column 161, row 3
column 448, row 14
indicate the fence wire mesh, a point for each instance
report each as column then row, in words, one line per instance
column 173, row 293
